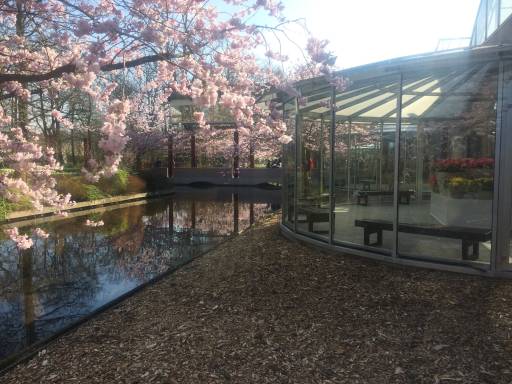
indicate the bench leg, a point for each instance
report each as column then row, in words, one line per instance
column 476, row 250
column 368, row 232
column 466, row 244
column 404, row 199
column 310, row 224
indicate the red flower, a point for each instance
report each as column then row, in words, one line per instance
column 457, row 165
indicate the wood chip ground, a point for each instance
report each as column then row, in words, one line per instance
column 262, row 309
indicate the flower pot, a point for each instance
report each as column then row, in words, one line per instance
column 442, row 180
column 461, row 212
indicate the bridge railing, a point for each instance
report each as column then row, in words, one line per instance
column 224, row 176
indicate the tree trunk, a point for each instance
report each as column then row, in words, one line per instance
column 251, row 154
column 58, row 143
column 193, row 159
column 73, row 155
column 138, row 161
column 28, row 295
column 236, row 214
column 251, row 214
column 171, row 217
column 87, row 152
column 22, row 105
column 170, row 155
column 236, row 155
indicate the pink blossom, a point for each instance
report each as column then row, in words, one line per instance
column 285, row 139
column 22, row 241
column 91, row 223
column 40, row 233
column 56, row 114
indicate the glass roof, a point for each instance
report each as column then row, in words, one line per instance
column 376, row 99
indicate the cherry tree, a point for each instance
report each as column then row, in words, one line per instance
column 207, row 52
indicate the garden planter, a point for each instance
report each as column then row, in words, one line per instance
column 442, row 180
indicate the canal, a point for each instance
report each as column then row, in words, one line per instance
column 80, row 269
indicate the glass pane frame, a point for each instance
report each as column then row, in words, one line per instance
column 313, row 170
column 367, row 120
column 446, row 124
column 503, row 204
column 289, row 164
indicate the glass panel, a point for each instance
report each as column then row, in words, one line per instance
column 506, row 10
column 479, row 33
column 447, row 168
column 364, row 172
column 314, row 169
column 289, row 165
column 492, row 16
column 504, row 254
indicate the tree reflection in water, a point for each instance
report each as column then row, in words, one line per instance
column 78, row 268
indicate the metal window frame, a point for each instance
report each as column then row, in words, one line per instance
column 332, row 173
column 297, row 149
column 284, row 180
column 502, row 204
column 396, row 167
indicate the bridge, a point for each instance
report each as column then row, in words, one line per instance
column 217, row 176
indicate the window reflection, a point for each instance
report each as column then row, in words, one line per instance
column 289, row 165
column 364, row 164
column 313, row 176
column 447, row 159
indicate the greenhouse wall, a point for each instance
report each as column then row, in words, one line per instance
column 410, row 163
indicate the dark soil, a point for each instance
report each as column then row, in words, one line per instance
column 261, row 309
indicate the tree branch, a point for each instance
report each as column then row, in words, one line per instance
column 71, row 68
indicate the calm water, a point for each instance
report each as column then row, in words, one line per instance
column 78, row 269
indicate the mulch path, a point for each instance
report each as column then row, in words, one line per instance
column 262, row 309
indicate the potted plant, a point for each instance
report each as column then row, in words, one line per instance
column 462, row 191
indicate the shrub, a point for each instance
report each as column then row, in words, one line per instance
column 72, row 185
column 115, row 185
column 80, row 190
column 94, row 193
column 5, row 208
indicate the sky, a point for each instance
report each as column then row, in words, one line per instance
column 365, row 31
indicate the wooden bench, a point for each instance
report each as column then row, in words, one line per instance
column 404, row 196
column 471, row 237
column 314, row 215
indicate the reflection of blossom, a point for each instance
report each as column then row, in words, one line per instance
column 91, row 223
column 40, row 233
column 82, row 266
column 22, row 241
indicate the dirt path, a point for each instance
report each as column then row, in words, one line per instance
column 261, row 309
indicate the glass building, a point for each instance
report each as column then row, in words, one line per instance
column 492, row 25
column 411, row 163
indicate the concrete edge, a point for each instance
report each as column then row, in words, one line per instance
column 21, row 215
